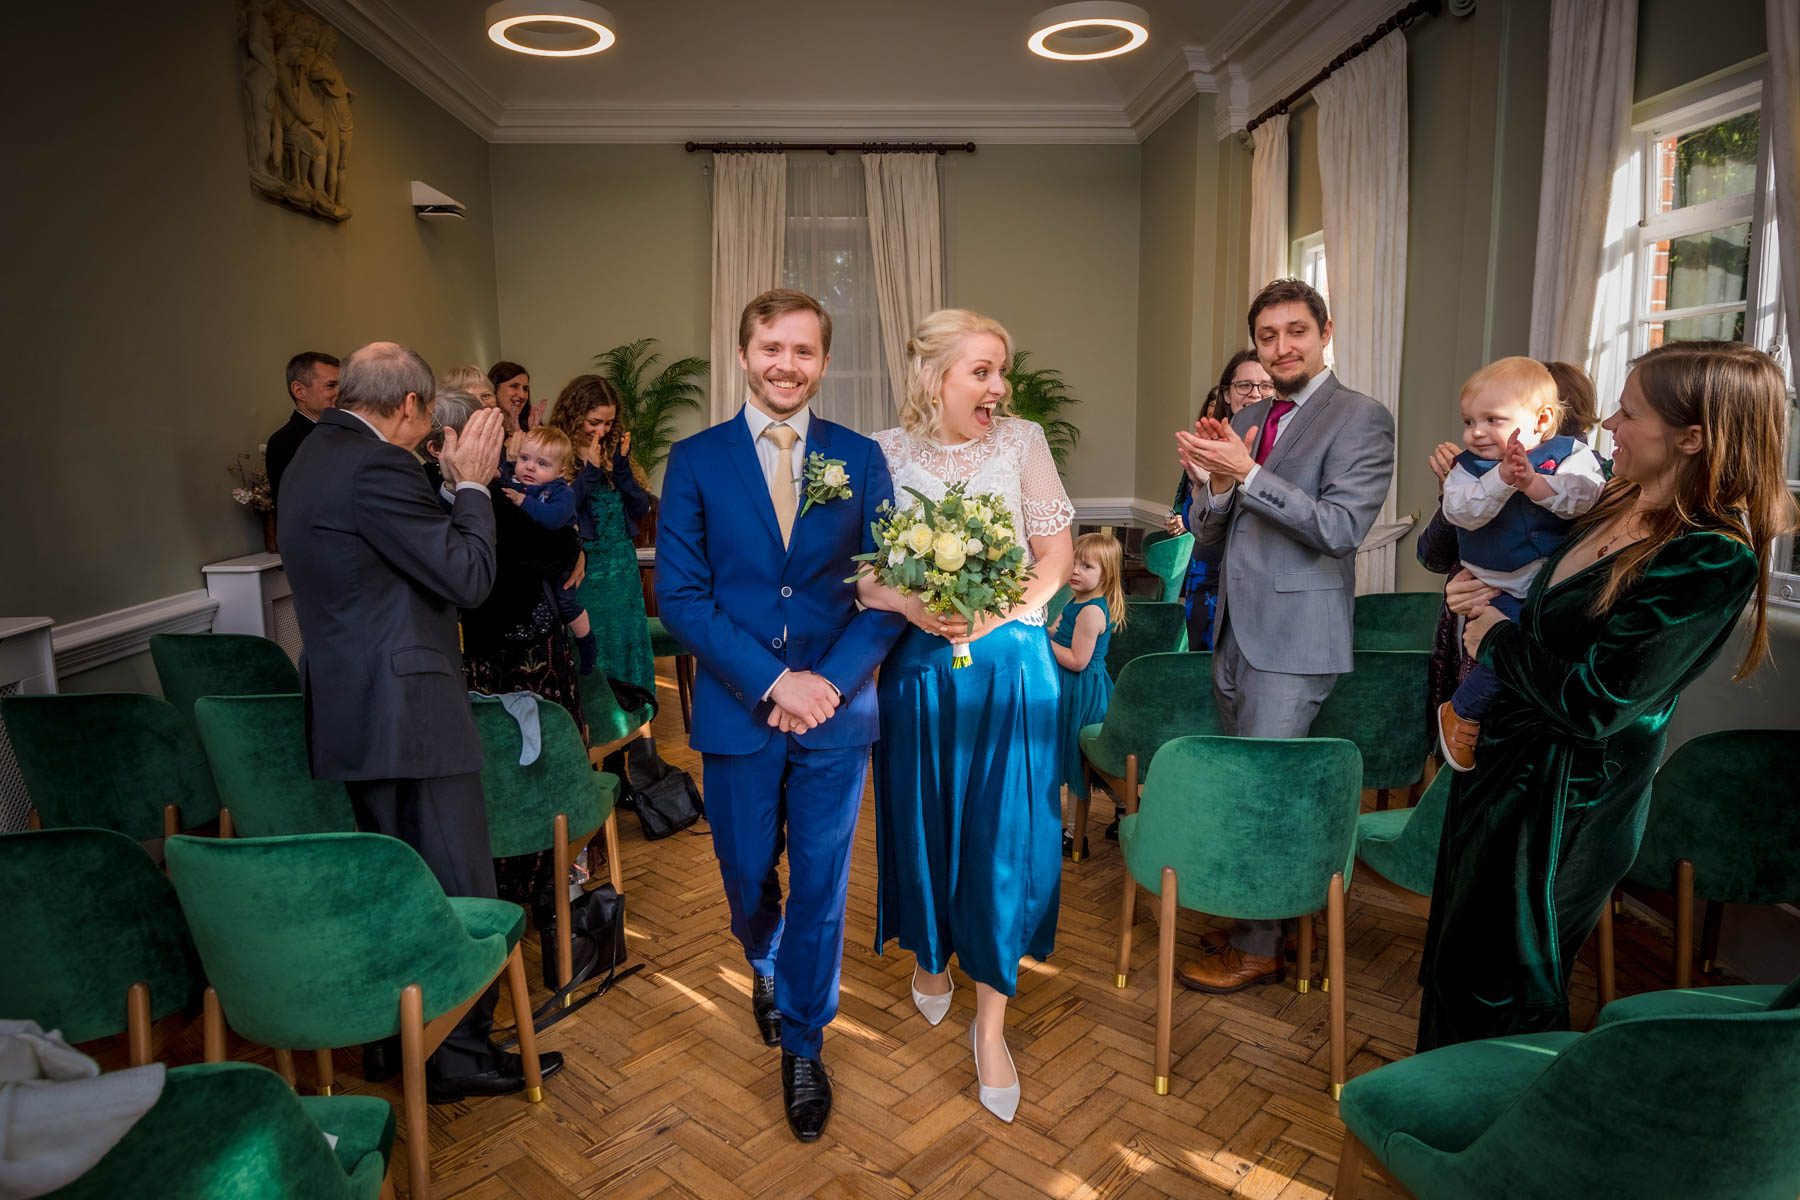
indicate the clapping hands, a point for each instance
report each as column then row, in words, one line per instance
column 1515, row 466
column 1443, row 459
column 1216, row 453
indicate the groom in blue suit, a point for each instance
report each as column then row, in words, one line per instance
column 784, row 707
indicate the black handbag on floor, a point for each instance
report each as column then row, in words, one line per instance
column 668, row 805
column 596, row 935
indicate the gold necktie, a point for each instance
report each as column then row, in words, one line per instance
column 781, row 488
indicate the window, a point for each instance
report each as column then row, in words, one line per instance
column 1306, row 260
column 1706, row 264
column 827, row 254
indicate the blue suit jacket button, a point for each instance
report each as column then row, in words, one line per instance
column 786, row 592
column 775, row 642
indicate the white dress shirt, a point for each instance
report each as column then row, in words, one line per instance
column 1471, row 501
column 1222, row 500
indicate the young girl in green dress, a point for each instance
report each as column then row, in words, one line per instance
column 1079, row 643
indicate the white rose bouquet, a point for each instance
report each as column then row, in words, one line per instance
column 957, row 554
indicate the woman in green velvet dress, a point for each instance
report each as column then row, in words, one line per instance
column 611, row 503
column 1638, row 603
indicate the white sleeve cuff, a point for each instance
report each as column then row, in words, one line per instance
column 777, row 679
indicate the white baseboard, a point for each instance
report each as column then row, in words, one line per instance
column 95, row 641
column 1128, row 510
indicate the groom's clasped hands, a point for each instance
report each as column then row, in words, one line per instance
column 802, row 702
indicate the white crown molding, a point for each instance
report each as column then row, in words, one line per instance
column 1187, row 73
column 1087, row 124
column 1232, row 110
column 95, row 641
column 391, row 36
column 1283, row 64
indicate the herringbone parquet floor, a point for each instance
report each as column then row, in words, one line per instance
column 669, row 1092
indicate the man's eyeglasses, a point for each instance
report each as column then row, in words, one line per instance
column 1245, row 387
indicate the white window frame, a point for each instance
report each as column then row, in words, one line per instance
column 1726, row 97
column 1306, row 262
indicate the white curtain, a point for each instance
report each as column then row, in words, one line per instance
column 1269, row 202
column 1363, row 170
column 828, row 257
column 749, row 218
column 907, row 230
column 1588, row 201
column 1781, row 125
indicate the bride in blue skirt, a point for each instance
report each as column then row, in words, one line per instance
column 968, row 820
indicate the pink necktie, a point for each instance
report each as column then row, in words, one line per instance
column 1265, row 442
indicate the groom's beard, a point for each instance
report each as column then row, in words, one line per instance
column 782, row 404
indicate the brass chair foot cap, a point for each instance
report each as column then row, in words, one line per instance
column 567, row 1000
column 1162, row 1085
column 1337, row 1091
column 1302, row 985
column 324, row 1091
column 535, row 1095
column 1118, row 981
column 1325, row 984
column 1074, row 856
column 1706, row 966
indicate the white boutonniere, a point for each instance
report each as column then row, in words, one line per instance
column 826, row 480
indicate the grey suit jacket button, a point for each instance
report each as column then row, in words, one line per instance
column 786, row 592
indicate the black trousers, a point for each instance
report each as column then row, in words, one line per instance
column 445, row 820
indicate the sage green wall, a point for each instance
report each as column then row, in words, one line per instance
column 154, row 298
column 599, row 245
column 1680, row 41
column 1168, row 275
column 1045, row 239
column 1306, row 191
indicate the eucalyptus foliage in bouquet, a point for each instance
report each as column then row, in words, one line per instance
column 958, row 554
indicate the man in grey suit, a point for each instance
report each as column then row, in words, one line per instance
column 1291, row 486
column 379, row 569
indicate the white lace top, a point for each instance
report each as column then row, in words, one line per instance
column 1013, row 461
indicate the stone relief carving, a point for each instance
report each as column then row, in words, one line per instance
column 297, row 116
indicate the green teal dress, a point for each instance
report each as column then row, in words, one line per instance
column 1084, row 694
column 1540, row 832
column 612, row 593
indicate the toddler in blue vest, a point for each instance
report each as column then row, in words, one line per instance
column 538, row 482
column 1512, row 496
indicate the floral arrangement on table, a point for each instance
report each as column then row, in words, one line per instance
column 958, row 554
column 252, row 490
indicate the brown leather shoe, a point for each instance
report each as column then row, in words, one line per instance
column 1230, row 970
column 1214, row 941
column 1457, row 738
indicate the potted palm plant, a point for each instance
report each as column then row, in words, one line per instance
column 648, row 398
column 1041, row 395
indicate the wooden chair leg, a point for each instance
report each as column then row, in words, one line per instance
column 1127, row 910
column 137, row 1024
column 1303, row 955
column 212, row 1028
column 284, row 1067
column 1334, row 957
column 412, row 1085
column 613, row 868
column 559, row 889
column 1381, row 799
column 1609, row 989
column 521, row 1003
column 226, row 828
column 387, row 1183
column 1081, row 825
column 1350, row 1164
column 171, row 820
column 324, row 1073
column 32, row 820
column 1684, row 922
column 1709, row 935
column 1165, row 979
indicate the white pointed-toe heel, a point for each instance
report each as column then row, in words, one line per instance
column 935, row 1008
column 1003, row 1102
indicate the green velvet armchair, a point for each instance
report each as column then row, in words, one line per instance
column 110, row 760
column 1381, row 706
column 1663, row 1100
column 1258, row 828
column 1400, row 846
column 1396, row 620
column 1152, row 627
column 192, row 665
column 234, row 1131
column 257, row 748
column 1166, row 556
column 558, row 803
column 95, row 941
column 300, row 958
column 1159, row 697
column 664, row 644
column 610, row 727
column 1723, row 826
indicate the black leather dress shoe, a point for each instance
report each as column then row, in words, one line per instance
column 502, row 1080
column 806, row 1090
column 381, row 1060
column 762, row 1003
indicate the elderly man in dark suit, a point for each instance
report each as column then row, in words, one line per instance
column 379, row 569
column 1291, row 486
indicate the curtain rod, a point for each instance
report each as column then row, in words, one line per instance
column 1400, row 20
column 832, row 147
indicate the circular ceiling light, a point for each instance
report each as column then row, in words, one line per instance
column 551, row 28
column 1089, row 31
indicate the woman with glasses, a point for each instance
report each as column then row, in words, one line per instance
column 1241, row 384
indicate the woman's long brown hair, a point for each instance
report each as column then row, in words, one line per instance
column 1736, row 484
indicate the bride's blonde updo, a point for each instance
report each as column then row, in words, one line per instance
column 930, row 351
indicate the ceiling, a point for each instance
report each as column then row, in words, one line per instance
column 861, row 69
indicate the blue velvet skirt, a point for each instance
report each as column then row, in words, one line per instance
column 1085, row 695
column 968, row 832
